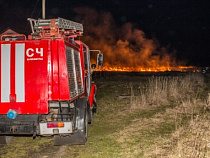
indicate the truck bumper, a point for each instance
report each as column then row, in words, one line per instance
column 22, row 124
column 44, row 130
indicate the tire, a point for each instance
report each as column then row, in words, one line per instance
column 79, row 136
column 92, row 111
column 94, row 106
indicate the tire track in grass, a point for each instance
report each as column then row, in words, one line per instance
column 51, row 152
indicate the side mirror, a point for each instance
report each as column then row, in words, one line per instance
column 93, row 66
column 100, row 59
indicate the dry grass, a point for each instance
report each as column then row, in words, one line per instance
column 154, row 117
column 160, row 90
column 162, row 117
column 190, row 137
column 194, row 138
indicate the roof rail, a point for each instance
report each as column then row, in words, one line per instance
column 62, row 24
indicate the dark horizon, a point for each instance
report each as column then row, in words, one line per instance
column 183, row 26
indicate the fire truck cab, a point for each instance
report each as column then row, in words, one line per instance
column 46, row 86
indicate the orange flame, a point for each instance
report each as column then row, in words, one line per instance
column 158, row 69
column 126, row 48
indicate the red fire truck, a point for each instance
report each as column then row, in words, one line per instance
column 46, row 86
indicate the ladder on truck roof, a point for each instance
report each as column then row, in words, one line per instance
column 63, row 25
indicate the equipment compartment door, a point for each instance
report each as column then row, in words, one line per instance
column 24, row 79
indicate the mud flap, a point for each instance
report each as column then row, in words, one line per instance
column 75, row 139
column 5, row 140
column 79, row 136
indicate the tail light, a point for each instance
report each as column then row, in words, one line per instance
column 55, row 124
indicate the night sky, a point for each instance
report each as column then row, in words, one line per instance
column 181, row 25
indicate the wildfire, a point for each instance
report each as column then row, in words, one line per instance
column 158, row 69
column 126, row 48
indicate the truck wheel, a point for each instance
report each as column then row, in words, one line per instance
column 92, row 111
column 80, row 134
column 5, row 140
column 94, row 106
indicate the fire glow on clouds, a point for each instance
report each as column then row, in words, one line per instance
column 125, row 48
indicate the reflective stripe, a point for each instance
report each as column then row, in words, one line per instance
column 20, row 72
column 5, row 72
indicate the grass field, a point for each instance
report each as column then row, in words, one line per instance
column 147, row 116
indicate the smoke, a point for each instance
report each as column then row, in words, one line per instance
column 122, row 46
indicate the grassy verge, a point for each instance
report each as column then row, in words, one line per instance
column 23, row 146
column 167, row 127
column 140, row 116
